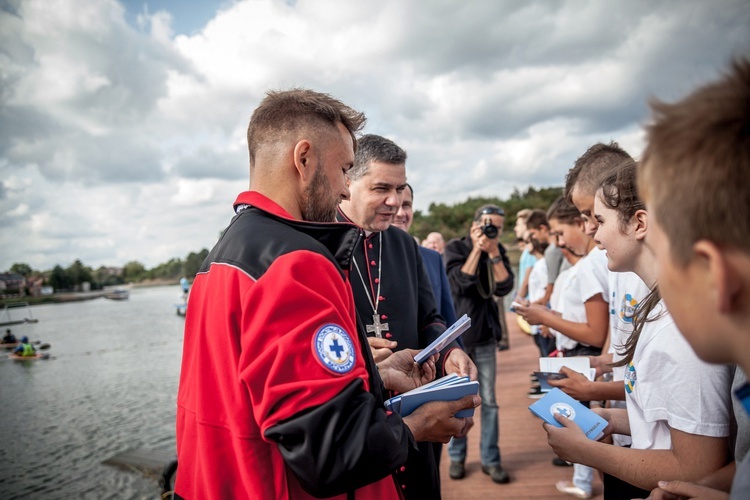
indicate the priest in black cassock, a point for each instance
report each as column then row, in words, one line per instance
column 392, row 292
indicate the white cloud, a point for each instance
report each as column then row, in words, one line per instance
column 122, row 142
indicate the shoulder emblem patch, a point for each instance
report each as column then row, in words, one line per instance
column 334, row 348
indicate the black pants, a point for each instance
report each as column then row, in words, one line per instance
column 617, row 489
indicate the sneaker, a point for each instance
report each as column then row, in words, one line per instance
column 535, row 392
column 570, row 489
column 560, row 462
column 457, row 470
column 497, row 473
column 533, row 377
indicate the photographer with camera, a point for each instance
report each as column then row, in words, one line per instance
column 479, row 270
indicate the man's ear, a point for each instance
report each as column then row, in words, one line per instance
column 724, row 281
column 640, row 220
column 303, row 159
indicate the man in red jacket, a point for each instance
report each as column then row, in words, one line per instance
column 279, row 396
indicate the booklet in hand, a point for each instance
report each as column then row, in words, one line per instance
column 557, row 402
column 449, row 388
column 448, row 336
column 544, row 377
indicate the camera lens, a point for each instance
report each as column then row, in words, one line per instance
column 490, row 230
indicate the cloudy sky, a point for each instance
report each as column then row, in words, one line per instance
column 122, row 123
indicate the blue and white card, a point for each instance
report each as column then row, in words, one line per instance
column 557, row 402
column 456, row 329
column 449, row 388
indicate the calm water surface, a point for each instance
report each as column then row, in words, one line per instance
column 109, row 386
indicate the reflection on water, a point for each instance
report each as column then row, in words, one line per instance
column 110, row 385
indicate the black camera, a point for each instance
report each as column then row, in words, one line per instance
column 489, row 229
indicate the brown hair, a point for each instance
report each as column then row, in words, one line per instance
column 695, row 171
column 536, row 219
column 523, row 214
column 596, row 162
column 564, row 211
column 288, row 111
column 620, row 192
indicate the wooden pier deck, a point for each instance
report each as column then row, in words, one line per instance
column 523, row 443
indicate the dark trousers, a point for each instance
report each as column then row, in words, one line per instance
column 617, row 489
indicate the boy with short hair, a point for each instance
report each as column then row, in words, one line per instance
column 695, row 178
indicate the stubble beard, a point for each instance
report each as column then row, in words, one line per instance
column 319, row 204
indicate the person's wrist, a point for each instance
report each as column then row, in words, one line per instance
column 496, row 259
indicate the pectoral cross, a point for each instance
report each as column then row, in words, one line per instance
column 377, row 327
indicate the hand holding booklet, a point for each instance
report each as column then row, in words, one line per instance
column 557, row 402
column 448, row 336
column 449, row 388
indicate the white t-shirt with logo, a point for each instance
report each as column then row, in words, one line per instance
column 626, row 290
column 667, row 385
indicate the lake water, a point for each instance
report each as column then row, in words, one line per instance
column 109, row 386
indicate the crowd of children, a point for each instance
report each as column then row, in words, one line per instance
column 660, row 277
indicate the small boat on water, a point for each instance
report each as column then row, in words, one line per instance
column 38, row 355
column 118, row 294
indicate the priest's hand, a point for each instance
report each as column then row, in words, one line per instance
column 458, row 362
column 401, row 373
column 436, row 421
column 381, row 348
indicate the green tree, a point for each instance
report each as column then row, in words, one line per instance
column 59, row 279
column 79, row 273
column 133, row 271
column 193, row 263
column 22, row 269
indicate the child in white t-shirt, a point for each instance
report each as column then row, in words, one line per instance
column 678, row 406
column 583, row 321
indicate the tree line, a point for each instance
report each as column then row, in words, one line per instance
column 451, row 220
column 70, row 278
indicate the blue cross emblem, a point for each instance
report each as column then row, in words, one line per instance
column 336, row 348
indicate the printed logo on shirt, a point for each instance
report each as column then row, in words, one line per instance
column 563, row 409
column 630, row 378
column 334, row 348
column 627, row 308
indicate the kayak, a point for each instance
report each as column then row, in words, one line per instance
column 11, row 345
column 39, row 355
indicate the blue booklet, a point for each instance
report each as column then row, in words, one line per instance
column 448, row 336
column 448, row 388
column 556, row 401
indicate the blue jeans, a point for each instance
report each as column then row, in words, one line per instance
column 484, row 357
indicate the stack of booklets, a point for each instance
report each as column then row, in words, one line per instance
column 549, row 369
column 456, row 329
column 557, row 402
column 449, row 388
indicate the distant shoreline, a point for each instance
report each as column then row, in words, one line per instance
column 63, row 297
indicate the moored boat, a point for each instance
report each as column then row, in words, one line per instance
column 118, row 294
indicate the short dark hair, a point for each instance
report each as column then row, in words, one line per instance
column 288, row 111
column 588, row 170
column 371, row 148
column 564, row 211
column 536, row 219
